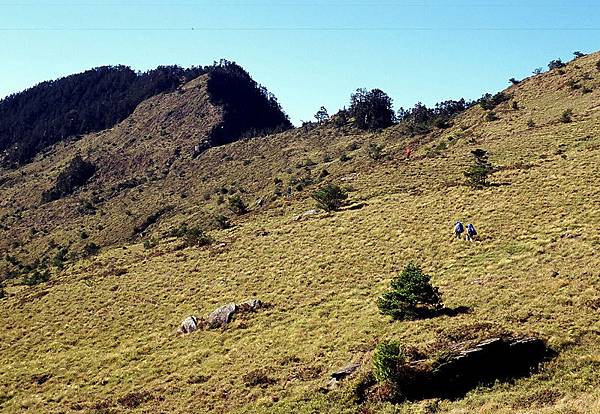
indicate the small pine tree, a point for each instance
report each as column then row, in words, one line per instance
column 388, row 355
column 330, row 197
column 411, row 295
column 477, row 174
column 322, row 115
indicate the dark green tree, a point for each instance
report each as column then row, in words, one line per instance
column 322, row 115
column 371, row 109
column 477, row 174
column 556, row 64
column 411, row 295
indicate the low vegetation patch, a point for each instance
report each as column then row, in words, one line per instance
column 192, row 236
column 257, row 378
column 330, row 197
column 77, row 173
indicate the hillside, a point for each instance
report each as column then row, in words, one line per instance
column 99, row 335
column 97, row 99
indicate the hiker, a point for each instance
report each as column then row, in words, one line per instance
column 458, row 229
column 471, row 232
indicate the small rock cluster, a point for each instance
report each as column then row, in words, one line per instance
column 220, row 316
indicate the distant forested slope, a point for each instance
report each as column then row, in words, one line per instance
column 99, row 98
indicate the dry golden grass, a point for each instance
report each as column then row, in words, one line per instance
column 104, row 336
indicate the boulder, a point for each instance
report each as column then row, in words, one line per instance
column 189, row 325
column 250, row 305
column 340, row 374
column 222, row 316
column 306, row 214
column 344, row 372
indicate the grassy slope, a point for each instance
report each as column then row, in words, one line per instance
column 535, row 270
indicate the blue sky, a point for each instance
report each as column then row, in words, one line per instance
column 308, row 53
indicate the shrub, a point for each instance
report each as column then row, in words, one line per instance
column 514, row 81
column 477, row 174
column 386, row 359
column 573, row 85
column 195, row 236
column 530, row 123
column 411, row 295
column 2, row 291
column 91, row 249
column 341, row 118
column 330, row 197
column 578, row 54
column 375, row 151
column 237, row 205
column 60, row 257
column 515, row 105
column 192, row 236
column 491, row 116
column 36, row 276
column 420, row 119
column 556, row 64
column 598, row 65
column 566, row 116
column 150, row 243
column 489, row 101
column 371, row 109
column 222, row 222
column 77, row 173
column 537, row 71
column 344, row 157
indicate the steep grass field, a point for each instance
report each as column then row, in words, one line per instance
column 100, row 335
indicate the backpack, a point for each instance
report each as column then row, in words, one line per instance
column 458, row 227
column 471, row 230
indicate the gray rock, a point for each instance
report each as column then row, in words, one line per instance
column 344, row 372
column 189, row 325
column 306, row 214
column 222, row 316
column 250, row 305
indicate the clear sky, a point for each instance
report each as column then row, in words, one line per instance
column 308, row 53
